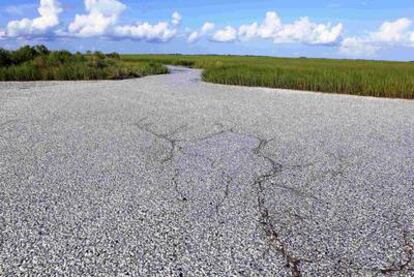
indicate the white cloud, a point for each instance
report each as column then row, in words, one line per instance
column 102, row 18
column 207, row 27
column 305, row 31
column 390, row 33
column 393, row 32
column 196, row 35
column 268, row 29
column 193, row 37
column 102, row 14
column 160, row 32
column 176, row 18
column 354, row 46
column 247, row 32
column 227, row 34
column 301, row 31
column 49, row 11
column 271, row 25
column 105, row 7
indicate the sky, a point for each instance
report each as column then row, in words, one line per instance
column 352, row 29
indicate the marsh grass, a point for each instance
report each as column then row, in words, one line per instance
column 38, row 63
column 356, row 77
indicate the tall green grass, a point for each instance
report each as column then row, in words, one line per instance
column 38, row 63
column 357, row 77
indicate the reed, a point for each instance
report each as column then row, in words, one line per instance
column 356, row 77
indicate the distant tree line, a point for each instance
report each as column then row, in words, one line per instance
column 30, row 53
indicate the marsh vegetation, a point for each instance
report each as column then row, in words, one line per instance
column 357, row 77
column 30, row 63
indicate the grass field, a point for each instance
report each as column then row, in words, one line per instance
column 38, row 63
column 357, row 77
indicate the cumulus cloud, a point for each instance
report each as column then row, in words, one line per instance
column 208, row 26
column 300, row 31
column 160, row 32
column 102, row 14
column 270, row 26
column 390, row 33
column 176, row 18
column 354, row 46
column 393, row 32
column 196, row 35
column 307, row 32
column 102, row 20
column 227, row 34
column 49, row 11
column 247, row 32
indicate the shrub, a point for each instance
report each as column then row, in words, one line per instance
column 23, row 54
column 153, row 68
column 38, row 63
column 99, row 55
column 78, row 57
column 5, row 58
column 42, row 50
column 114, row 55
column 187, row 63
column 59, row 57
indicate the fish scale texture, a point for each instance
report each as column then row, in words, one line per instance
column 170, row 176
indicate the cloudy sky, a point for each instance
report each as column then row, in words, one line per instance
column 374, row 29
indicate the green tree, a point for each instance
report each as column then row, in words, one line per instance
column 23, row 54
column 42, row 50
column 5, row 59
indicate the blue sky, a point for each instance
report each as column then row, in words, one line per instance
column 332, row 28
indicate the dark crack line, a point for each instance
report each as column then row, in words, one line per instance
column 405, row 263
column 165, row 137
column 171, row 152
column 292, row 262
column 177, row 130
column 212, row 135
column 276, row 168
column 302, row 166
column 227, row 180
column 141, row 120
column 297, row 192
column 175, row 178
